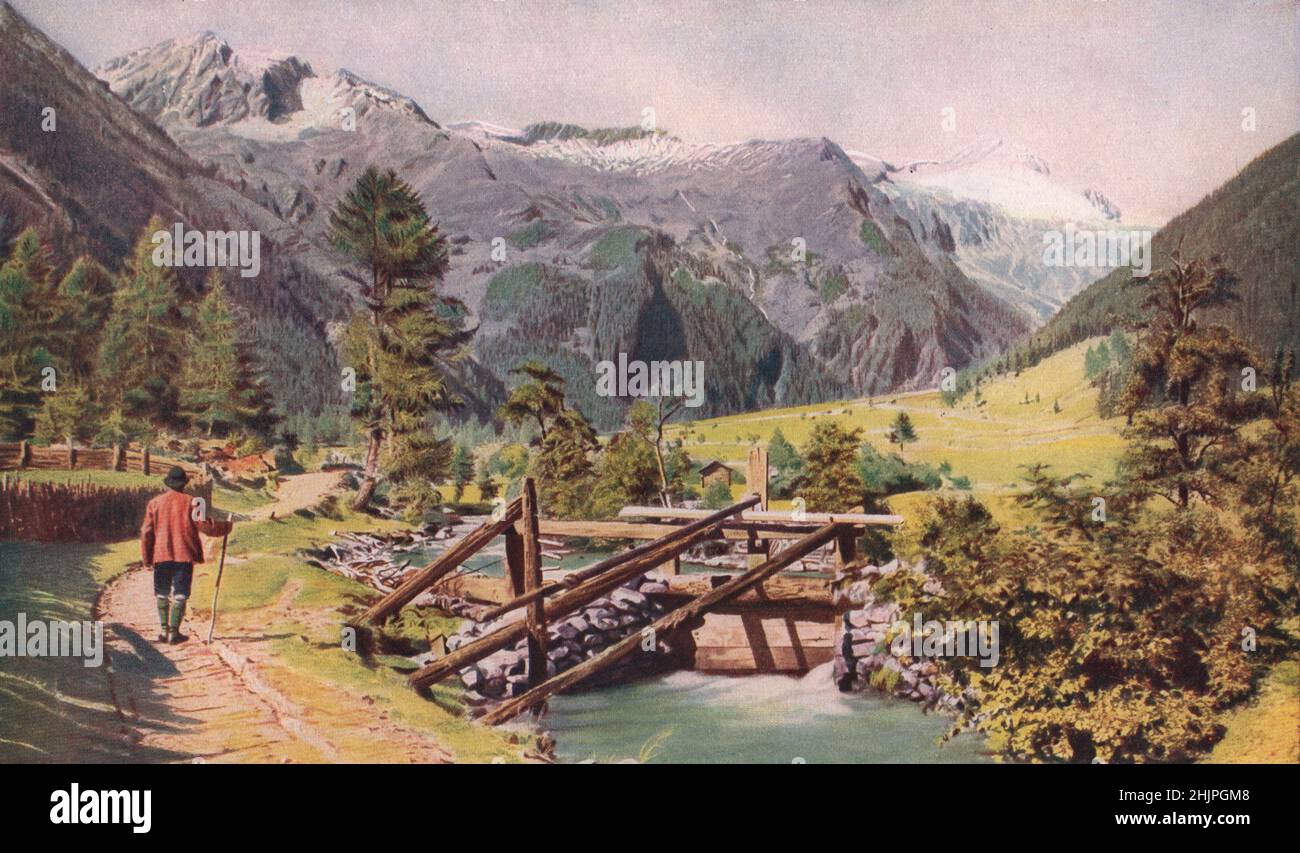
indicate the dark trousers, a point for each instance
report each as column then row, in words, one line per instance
column 172, row 579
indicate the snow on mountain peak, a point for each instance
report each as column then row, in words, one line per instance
column 200, row 80
column 1005, row 174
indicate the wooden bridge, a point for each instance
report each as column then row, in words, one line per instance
column 742, row 599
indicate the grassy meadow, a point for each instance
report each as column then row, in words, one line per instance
column 985, row 442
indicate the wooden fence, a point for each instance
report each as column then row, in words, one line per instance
column 23, row 455
column 76, row 512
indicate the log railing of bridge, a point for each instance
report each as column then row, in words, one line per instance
column 676, row 619
column 604, row 576
column 549, row 601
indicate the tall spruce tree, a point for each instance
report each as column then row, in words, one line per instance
column 85, row 295
column 223, row 389
column 400, row 349
column 141, row 354
column 1184, row 396
column 29, row 335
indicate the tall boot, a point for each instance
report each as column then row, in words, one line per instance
column 162, row 618
column 174, row 634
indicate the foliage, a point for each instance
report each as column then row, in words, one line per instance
column 563, row 466
column 538, row 399
column 1118, row 642
column 627, row 473
column 141, row 354
column 717, row 495
column 222, row 387
column 901, row 431
column 832, row 482
column 67, row 416
column 28, row 332
column 891, row 475
column 402, row 351
column 462, row 470
column 487, row 485
column 1184, row 397
column 785, row 464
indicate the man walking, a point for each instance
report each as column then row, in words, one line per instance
column 169, row 544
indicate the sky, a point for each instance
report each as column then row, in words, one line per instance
column 1149, row 102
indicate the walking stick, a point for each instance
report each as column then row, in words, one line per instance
column 216, row 588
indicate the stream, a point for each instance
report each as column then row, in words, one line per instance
column 693, row 718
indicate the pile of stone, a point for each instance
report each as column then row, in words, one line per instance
column 731, row 557
column 865, row 654
column 581, row 635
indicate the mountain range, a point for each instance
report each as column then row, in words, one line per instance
column 795, row 270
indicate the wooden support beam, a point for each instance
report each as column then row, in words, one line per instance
column 536, row 613
column 515, row 560
column 810, row 518
column 446, row 562
column 846, row 547
column 661, row 627
column 601, row 580
column 672, row 535
column 756, row 474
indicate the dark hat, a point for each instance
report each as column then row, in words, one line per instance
column 176, row 478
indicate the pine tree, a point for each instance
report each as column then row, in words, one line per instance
column 29, row 334
column 537, row 399
column 141, row 353
column 400, row 351
column 1184, row 394
column 902, row 433
column 85, row 296
column 563, row 467
column 67, row 416
column 223, row 389
column 833, row 483
column 462, row 470
column 487, row 486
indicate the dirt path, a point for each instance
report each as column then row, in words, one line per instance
column 222, row 702
column 298, row 491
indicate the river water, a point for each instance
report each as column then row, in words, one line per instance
column 688, row 717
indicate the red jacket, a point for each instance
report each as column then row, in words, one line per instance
column 169, row 534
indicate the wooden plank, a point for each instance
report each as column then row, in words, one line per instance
column 737, row 531
column 661, row 627
column 446, row 562
column 562, row 605
column 811, row 518
column 536, row 613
